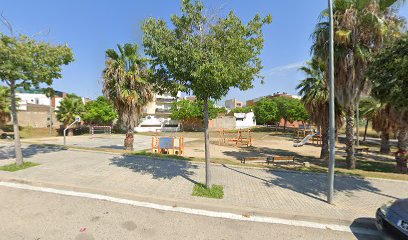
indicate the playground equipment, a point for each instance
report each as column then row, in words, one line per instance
column 168, row 145
column 103, row 129
column 305, row 140
column 240, row 136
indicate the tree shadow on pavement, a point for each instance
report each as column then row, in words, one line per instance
column 313, row 185
column 28, row 151
column 156, row 167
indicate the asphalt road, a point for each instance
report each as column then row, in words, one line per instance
column 27, row 214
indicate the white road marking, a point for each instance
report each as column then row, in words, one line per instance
column 200, row 212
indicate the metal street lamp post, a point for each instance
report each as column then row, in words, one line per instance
column 332, row 141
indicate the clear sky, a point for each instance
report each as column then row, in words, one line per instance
column 91, row 27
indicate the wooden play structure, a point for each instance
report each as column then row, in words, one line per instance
column 238, row 137
column 168, row 145
column 304, row 130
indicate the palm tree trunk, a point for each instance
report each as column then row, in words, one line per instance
column 402, row 140
column 129, row 140
column 365, row 130
column 324, row 153
column 207, row 145
column 17, row 143
column 385, row 142
column 350, row 159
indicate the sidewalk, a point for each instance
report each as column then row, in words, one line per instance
column 247, row 191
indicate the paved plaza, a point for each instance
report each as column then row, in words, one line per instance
column 247, row 191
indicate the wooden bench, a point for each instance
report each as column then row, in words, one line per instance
column 254, row 159
column 361, row 149
column 281, row 159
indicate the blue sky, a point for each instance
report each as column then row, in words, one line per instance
column 91, row 27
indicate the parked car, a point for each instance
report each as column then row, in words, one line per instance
column 392, row 218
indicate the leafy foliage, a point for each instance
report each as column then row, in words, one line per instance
column 246, row 109
column 70, row 107
column 27, row 63
column 4, row 104
column 291, row 109
column 266, row 111
column 389, row 74
column 188, row 110
column 99, row 112
column 203, row 55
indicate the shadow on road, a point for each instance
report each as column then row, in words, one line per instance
column 158, row 168
column 28, row 151
column 364, row 229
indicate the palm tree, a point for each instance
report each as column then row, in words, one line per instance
column 70, row 108
column 361, row 27
column 379, row 114
column 5, row 103
column 315, row 96
column 126, row 84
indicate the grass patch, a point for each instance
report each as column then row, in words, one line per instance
column 216, row 191
column 14, row 167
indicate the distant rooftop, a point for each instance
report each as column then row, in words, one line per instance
column 37, row 91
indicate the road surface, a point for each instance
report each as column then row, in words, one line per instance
column 28, row 214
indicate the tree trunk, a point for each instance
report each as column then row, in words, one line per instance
column 402, row 140
column 357, row 124
column 350, row 160
column 207, row 145
column 17, row 143
column 129, row 140
column 284, row 125
column 365, row 130
column 385, row 142
column 71, row 132
column 324, row 153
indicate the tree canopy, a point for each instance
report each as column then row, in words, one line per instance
column 99, row 112
column 389, row 74
column 291, row 109
column 266, row 111
column 188, row 110
column 202, row 54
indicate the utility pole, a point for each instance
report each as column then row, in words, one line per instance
column 332, row 142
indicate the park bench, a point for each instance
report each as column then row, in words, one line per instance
column 361, row 149
column 254, row 159
column 281, row 159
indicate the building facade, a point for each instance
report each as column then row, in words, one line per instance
column 233, row 103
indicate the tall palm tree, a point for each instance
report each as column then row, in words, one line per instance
column 126, row 84
column 5, row 103
column 379, row 114
column 70, row 108
column 360, row 27
column 315, row 96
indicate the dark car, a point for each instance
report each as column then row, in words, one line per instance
column 392, row 218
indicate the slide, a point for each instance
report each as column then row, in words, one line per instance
column 304, row 141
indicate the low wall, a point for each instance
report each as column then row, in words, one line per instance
column 36, row 119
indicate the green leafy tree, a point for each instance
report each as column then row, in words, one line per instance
column 246, row 109
column 389, row 76
column 70, row 107
column 266, row 111
column 360, row 29
column 290, row 109
column 99, row 112
column 26, row 62
column 204, row 55
column 190, row 110
column 4, row 105
column 126, row 84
